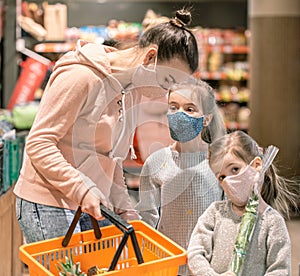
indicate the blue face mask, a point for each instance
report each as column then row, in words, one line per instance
column 184, row 128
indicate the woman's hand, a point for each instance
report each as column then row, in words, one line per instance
column 91, row 203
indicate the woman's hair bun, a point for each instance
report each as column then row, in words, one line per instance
column 184, row 16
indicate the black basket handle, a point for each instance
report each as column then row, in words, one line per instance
column 120, row 223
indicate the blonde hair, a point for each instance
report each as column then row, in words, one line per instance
column 204, row 96
column 279, row 192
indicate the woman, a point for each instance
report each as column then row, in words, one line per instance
column 82, row 132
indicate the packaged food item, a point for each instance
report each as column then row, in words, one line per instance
column 95, row 270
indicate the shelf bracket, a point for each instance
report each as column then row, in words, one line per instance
column 20, row 42
column 20, row 47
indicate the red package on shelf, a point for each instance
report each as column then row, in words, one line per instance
column 32, row 75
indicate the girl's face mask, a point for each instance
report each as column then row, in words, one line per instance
column 184, row 128
column 239, row 187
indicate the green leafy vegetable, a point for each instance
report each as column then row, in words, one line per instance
column 244, row 235
column 69, row 268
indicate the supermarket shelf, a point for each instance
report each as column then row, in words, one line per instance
column 220, row 76
column 228, row 49
column 60, row 47
column 54, row 47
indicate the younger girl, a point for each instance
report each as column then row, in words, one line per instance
column 236, row 160
column 176, row 183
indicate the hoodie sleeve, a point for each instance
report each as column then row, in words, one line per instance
column 61, row 103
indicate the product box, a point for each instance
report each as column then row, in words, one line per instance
column 11, row 159
column 31, row 78
column 10, row 163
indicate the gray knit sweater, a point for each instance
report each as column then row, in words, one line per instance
column 212, row 243
column 175, row 189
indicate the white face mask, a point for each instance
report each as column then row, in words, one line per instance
column 239, row 187
column 145, row 79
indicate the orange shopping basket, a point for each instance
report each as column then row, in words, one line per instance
column 149, row 253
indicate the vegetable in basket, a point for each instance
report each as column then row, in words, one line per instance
column 95, row 270
column 69, row 268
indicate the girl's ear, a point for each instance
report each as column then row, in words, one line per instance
column 150, row 55
column 257, row 163
column 207, row 120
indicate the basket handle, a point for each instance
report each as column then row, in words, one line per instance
column 120, row 223
column 72, row 226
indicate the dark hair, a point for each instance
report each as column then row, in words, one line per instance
column 279, row 192
column 173, row 39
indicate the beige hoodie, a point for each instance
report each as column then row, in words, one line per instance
column 80, row 137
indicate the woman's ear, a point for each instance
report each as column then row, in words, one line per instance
column 207, row 119
column 150, row 55
column 257, row 163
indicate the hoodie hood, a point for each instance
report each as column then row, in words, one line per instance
column 95, row 56
column 89, row 54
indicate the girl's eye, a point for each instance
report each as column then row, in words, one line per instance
column 190, row 109
column 235, row 170
column 221, row 178
column 172, row 108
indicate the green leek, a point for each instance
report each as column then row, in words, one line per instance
column 244, row 235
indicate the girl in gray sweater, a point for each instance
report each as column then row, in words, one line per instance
column 176, row 182
column 236, row 160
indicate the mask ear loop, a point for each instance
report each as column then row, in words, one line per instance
column 155, row 63
column 268, row 158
